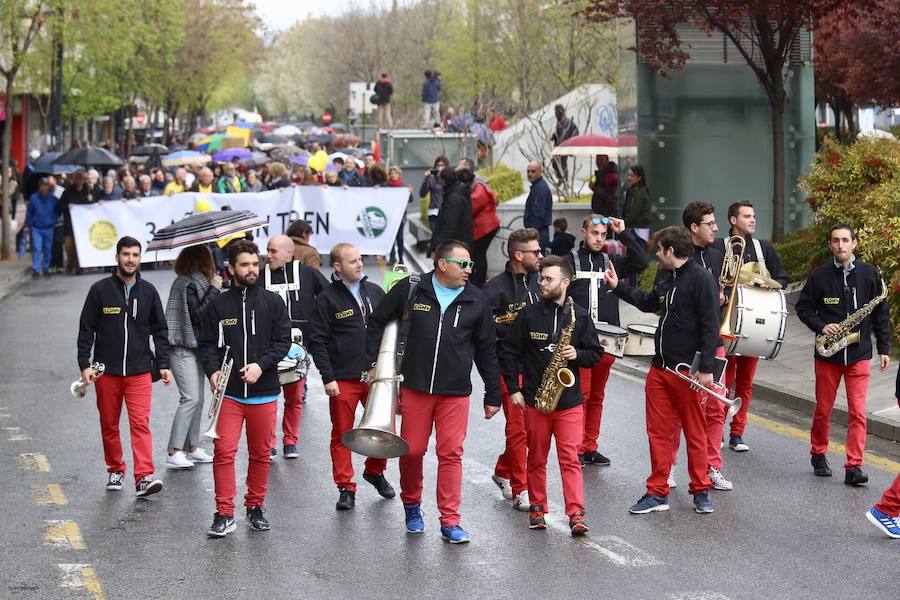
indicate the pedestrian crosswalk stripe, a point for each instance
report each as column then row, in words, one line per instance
column 33, row 461
column 50, row 493
column 16, row 434
column 63, row 535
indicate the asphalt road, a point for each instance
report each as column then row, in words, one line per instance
column 782, row 533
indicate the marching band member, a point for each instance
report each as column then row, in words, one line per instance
column 741, row 369
column 833, row 292
column 527, row 348
column 298, row 285
column 590, row 291
column 254, row 323
column 509, row 293
column 450, row 324
column 700, row 219
column 338, row 344
column 689, row 323
column 120, row 315
column 886, row 514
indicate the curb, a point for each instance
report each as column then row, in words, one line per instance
column 7, row 289
column 800, row 402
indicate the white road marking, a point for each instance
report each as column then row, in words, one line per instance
column 63, row 535
column 16, row 434
column 80, row 576
column 698, row 596
column 33, row 461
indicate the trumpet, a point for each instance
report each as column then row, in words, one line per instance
column 79, row 387
column 215, row 405
column 733, row 405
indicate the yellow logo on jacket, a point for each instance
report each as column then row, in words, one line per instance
column 344, row 314
column 112, row 310
column 539, row 335
column 831, row 300
column 422, row 307
column 227, row 322
column 516, row 306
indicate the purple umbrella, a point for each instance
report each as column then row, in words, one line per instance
column 231, row 153
column 303, row 159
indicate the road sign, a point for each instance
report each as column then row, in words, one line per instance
column 360, row 97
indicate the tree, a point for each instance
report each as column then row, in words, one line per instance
column 764, row 32
column 20, row 23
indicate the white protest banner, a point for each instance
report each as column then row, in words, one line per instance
column 366, row 217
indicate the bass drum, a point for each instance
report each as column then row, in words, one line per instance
column 758, row 322
column 294, row 366
column 640, row 340
column 612, row 338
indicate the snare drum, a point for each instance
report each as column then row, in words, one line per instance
column 612, row 338
column 640, row 340
column 758, row 322
column 293, row 367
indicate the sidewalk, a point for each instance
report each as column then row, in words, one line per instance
column 11, row 274
column 789, row 379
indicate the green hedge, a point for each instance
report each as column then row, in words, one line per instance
column 506, row 182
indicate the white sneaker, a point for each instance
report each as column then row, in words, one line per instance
column 521, row 502
column 504, row 486
column 199, row 456
column 671, row 481
column 718, row 481
column 178, row 461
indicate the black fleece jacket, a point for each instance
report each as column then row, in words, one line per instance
column 511, row 292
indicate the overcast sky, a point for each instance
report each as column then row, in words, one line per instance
column 278, row 15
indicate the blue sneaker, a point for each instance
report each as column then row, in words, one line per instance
column 889, row 525
column 737, row 444
column 414, row 521
column 702, row 504
column 455, row 534
column 648, row 504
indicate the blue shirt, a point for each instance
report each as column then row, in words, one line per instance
column 846, row 271
column 354, row 289
column 254, row 399
column 445, row 295
column 42, row 212
column 128, row 288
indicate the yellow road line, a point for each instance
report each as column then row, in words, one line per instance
column 33, row 461
column 50, row 493
column 879, row 462
column 82, row 576
column 64, row 535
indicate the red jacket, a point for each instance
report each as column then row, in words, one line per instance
column 484, row 210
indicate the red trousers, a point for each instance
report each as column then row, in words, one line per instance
column 739, row 374
column 343, row 410
column 293, row 410
column 511, row 464
column 449, row 417
column 134, row 391
column 669, row 396
column 890, row 500
column 593, row 389
column 856, row 383
column 715, row 413
column 260, row 419
column 567, row 426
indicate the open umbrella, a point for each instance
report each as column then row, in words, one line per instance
column 148, row 149
column 231, row 153
column 340, row 127
column 184, row 158
column 287, row 130
column 592, row 144
column 89, row 157
column 257, row 160
column 286, row 153
column 320, row 138
column 273, row 138
column 343, row 140
column 203, row 228
column 44, row 165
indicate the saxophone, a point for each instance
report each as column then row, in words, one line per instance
column 829, row 345
column 557, row 377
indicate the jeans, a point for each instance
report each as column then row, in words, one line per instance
column 41, row 248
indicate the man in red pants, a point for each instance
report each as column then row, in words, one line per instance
column 834, row 292
column 338, row 343
column 530, row 344
column 253, row 323
column 510, row 292
column 590, row 291
column 297, row 285
column 742, row 369
column 689, row 323
column 449, row 323
column 886, row 514
column 120, row 315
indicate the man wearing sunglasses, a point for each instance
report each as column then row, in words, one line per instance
column 589, row 290
column 510, row 292
column 450, row 325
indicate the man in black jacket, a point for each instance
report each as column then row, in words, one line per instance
column 589, row 291
column 741, row 369
column 297, row 285
column 450, row 323
column 527, row 348
column 254, row 324
column 689, row 323
column 455, row 218
column 384, row 89
column 120, row 315
column 510, row 292
column 832, row 293
column 338, row 344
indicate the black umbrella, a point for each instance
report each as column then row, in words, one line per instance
column 339, row 127
column 149, row 149
column 271, row 138
column 321, row 138
column 204, row 227
column 305, row 125
column 89, row 157
column 45, row 165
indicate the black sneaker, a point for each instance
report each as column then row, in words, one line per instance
column 148, row 486
column 346, row 499
column 46, row 274
column 381, row 484
column 114, row 483
column 290, row 451
column 272, row 453
column 581, row 460
column 536, row 517
column 256, row 520
column 855, row 476
column 594, row 458
column 820, row 465
column 221, row 526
